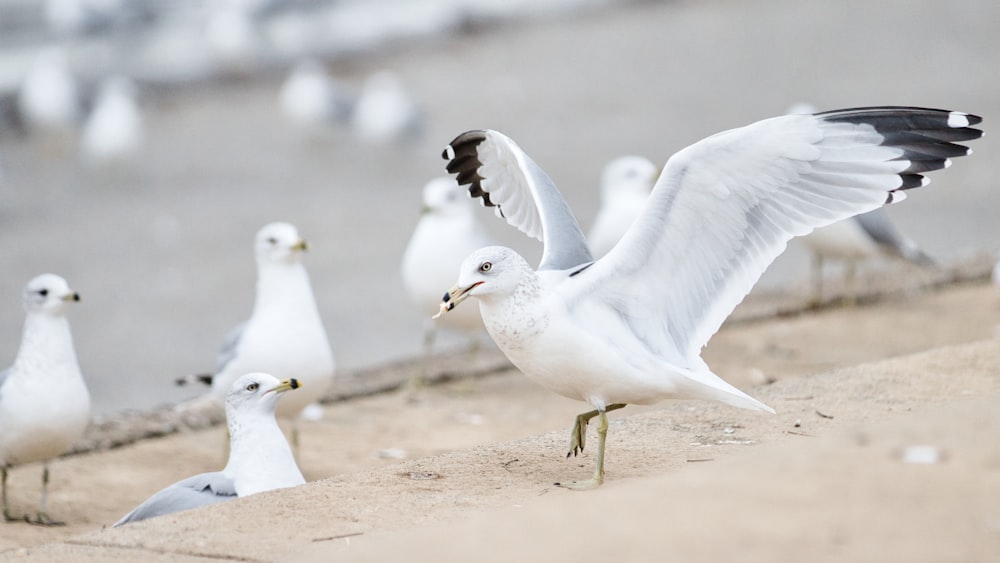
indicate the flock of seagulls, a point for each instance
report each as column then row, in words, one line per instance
column 616, row 318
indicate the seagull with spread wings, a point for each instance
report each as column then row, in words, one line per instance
column 630, row 327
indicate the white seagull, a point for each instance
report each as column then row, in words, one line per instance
column 385, row 112
column 259, row 457
column 446, row 233
column 284, row 335
column 862, row 237
column 630, row 327
column 312, row 100
column 44, row 403
column 625, row 185
column 49, row 99
column 113, row 132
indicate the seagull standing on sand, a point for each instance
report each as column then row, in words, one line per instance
column 259, row 457
column 44, row 403
column 861, row 237
column 446, row 233
column 49, row 99
column 630, row 327
column 385, row 112
column 625, row 185
column 113, row 131
column 311, row 99
column 284, row 335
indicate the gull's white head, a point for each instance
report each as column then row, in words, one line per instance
column 631, row 174
column 257, row 393
column 493, row 272
column 443, row 196
column 279, row 242
column 48, row 293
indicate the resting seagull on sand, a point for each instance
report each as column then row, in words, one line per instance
column 44, row 403
column 259, row 457
column 630, row 327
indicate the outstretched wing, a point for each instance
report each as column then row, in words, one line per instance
column 724, row 208
column 500, row 173
column 193, row 492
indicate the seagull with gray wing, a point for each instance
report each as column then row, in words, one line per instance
column 259, row 457
column 44, row 402
column 630, row 326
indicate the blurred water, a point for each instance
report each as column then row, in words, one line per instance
column 161, row 251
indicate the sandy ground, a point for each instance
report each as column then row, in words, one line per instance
column 402, row 470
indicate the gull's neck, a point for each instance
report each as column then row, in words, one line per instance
column 46, row 346
column 259, row 456
column 283, row 286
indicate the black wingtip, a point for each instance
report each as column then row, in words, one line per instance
column 928, row 138
column 203, row 378
column 462, row 154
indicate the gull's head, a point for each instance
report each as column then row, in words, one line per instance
column 48, row 293
column 279, row 242
column 488, row 273
column 628, row 174
column 444, row 197
column 257, row 392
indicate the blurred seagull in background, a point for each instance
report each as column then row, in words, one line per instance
column 312, row 100
column 259, row 457
column 284, row 335
column 113, row 133
column 625, row 185
column 44, row 403
column 49, row 98
column 630, row 327
column 385, row 112
column 446, row 233
column 861, row 237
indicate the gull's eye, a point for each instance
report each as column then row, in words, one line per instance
column 272, row 241
column 485, row 267
column 253, row 387
column 43, row 292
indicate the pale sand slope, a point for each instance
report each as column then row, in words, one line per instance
column 694, row 481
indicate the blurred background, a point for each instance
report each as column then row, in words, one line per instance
column 150, row 212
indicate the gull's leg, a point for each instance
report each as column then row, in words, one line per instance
column 295, row 436
column 419, row 379
column 578, row 438
column 3, row 492
column 43, row 516
column 850, row 289
column 817, row 280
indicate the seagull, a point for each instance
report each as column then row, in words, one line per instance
column 385, row 112
column 446, row 233
column 284, row 335
column 113, row 131
column 259, row 457
column 630, row 327
column 625, row 185
column 862, row 237
column 311, row 99
column 49, row 98
column 44, row 403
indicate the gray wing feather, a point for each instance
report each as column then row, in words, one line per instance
column 505, row 177
column 229, row 346
column 201, row 490
column 3, row 378
column 877, row 225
